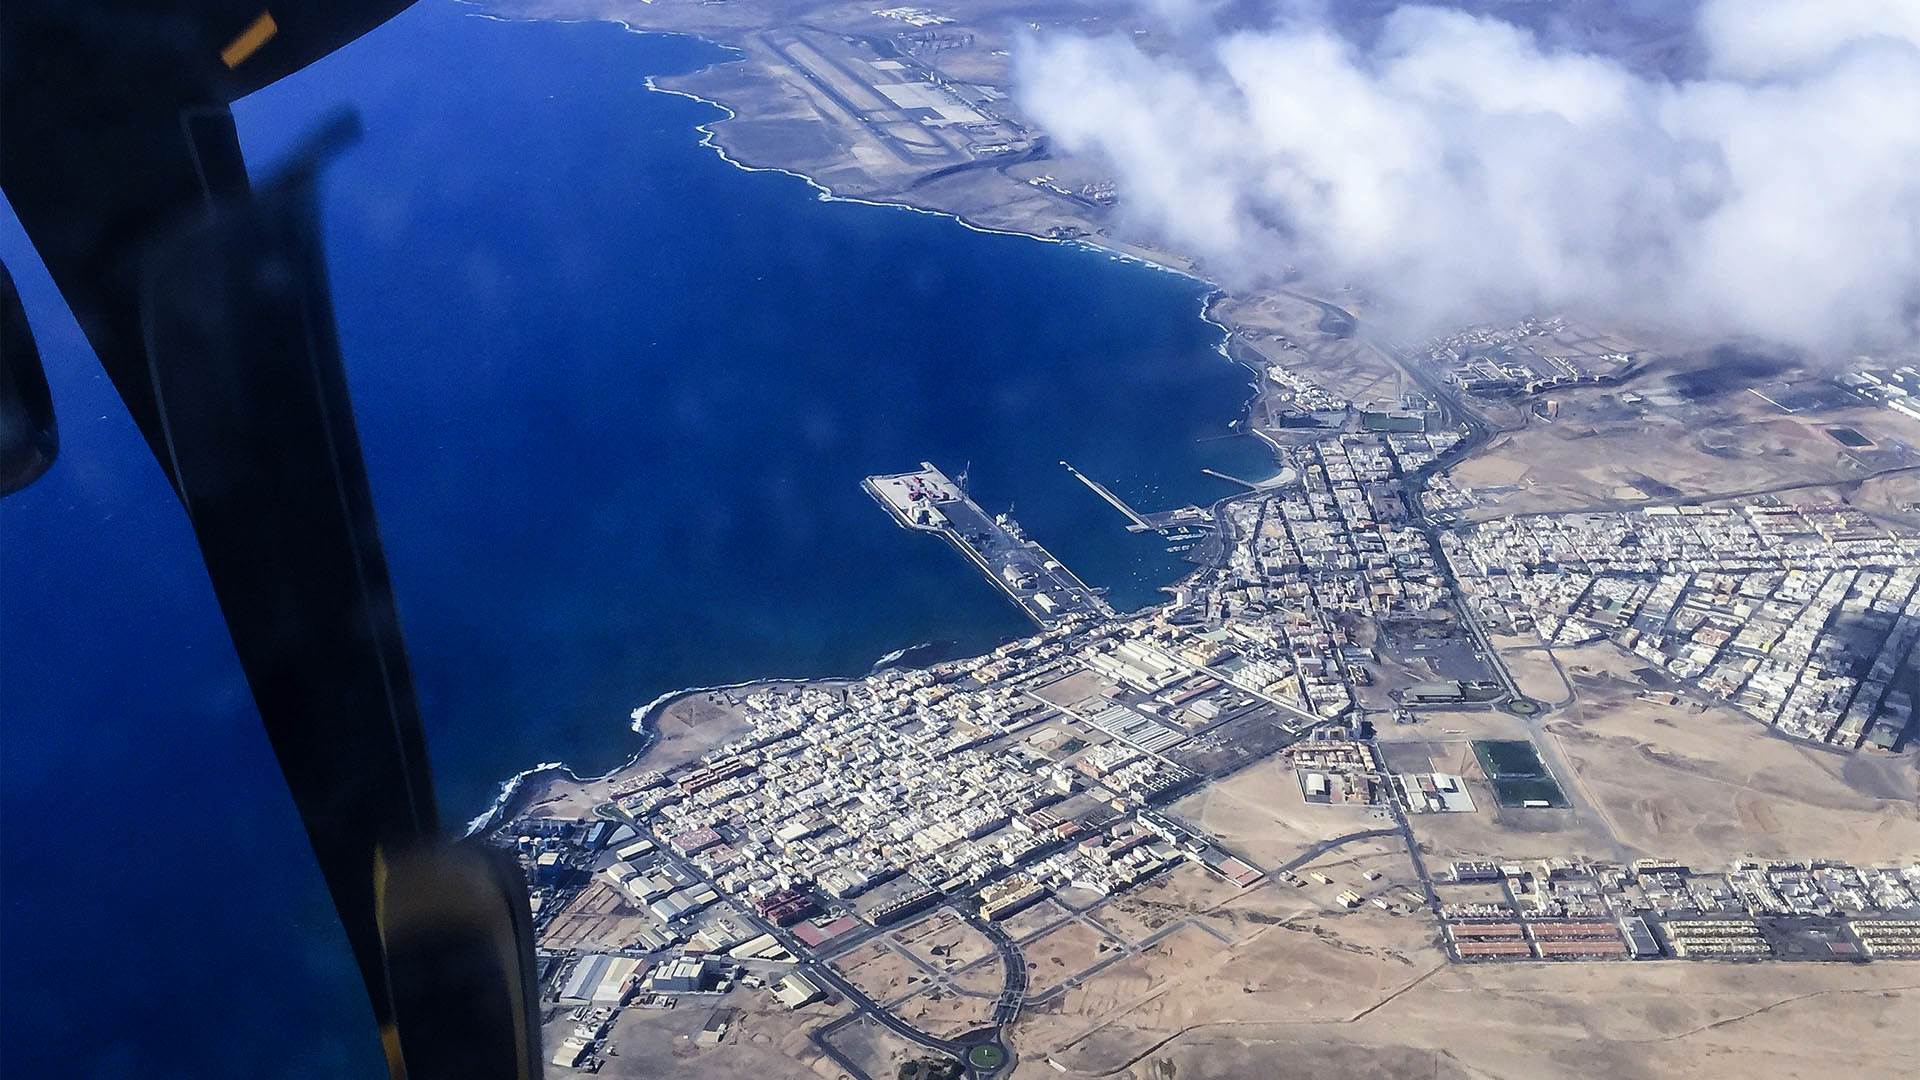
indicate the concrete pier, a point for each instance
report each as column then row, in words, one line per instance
column 925, row 500
column 1137, row 521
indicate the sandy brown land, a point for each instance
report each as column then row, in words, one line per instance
column 882, row 971
column 1892, row 498
column 877, row 1051
column 1622, row 1020
column 559, row 796
column 1302, row 968
column 1711, row 784
column 765, row 1039
column 690, row 727
column 597, row 917
column 1261, row 813
column 1278, row 980
column 1895, row 499
column 944, row 1013
column 944, row 941
column 1604, row 454
column 1030, row 920
column 1309, row 987
column 1532, row 667
column 1063, row 953
column 1283, row 329
column 986, row 977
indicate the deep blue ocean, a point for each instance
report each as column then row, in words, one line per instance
column 616, row 397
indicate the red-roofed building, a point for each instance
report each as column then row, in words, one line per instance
column 813, row 936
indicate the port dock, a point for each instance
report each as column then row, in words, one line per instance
column 925, row 500
column 1137, row 522
column 1186, row 517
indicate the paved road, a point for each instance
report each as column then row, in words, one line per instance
column 1013, row 988
column 822, row 974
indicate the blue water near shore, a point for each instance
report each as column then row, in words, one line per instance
column 616, row 397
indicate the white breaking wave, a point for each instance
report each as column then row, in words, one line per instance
column 644, row 716
column 897, row 654
column 487, row 818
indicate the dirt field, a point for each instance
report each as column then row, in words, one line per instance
column 1192, row 977
column 1348, row 368
column 1261, row 813
column 1601, row 452
column 882, row 972
column 1369, row 993
column 1064, row 953
column 1532, row 667
column 1073, row 689
column 1166, row 898
column 944, row 1013
column 1347, row 867
column 1895, row 499
column 1645, row 1021
column 877, row 1051
column 764, row 1039
column 1713, row 785
column 556, row 795
column 597, row 917
column 1031, row 920
column 944, row 941
column 692, row 726
column 1135, row 914
column 986, row 977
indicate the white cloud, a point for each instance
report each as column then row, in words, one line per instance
column 1754, row 39
column 1463, row 171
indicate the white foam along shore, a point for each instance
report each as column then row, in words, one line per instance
column 898, row 654
column 644, row 719
column 642, row 722
column 489, row 817
column 709, row 139
column 645, row 715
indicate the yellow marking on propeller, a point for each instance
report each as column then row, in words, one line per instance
column 249, row 41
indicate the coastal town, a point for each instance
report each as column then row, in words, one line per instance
column 1550, row 700
column 1462, row 620
column 880, row 860
column 845, row 818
